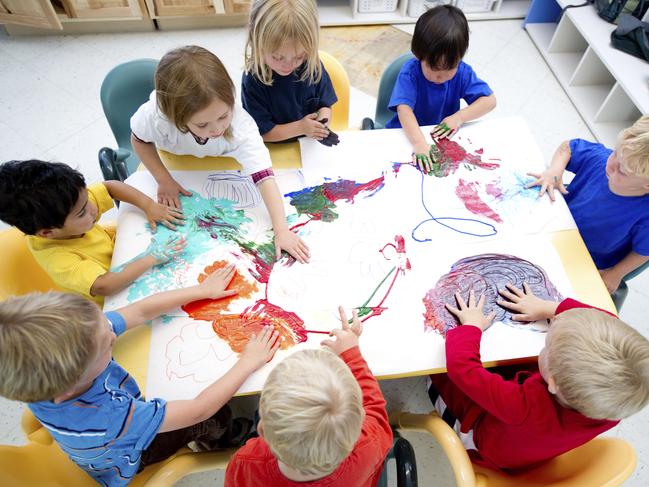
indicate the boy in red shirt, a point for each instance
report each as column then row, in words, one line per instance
column 322, row 421
column 593, row 371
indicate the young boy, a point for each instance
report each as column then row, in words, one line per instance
column 317, row 426
column 430, row 86
column 608, row 198
column 55, row 353
column 593, row 371
column 50, row 203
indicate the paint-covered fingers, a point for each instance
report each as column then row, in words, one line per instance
column 260, row 348
column 460, row 301
column 215, row 286
column 293, row 244
column 440, row 131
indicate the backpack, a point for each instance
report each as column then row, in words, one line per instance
column 610, row 10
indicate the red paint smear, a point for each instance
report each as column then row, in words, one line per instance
column 468, row 193
column 455, row 153
column 494, row 190
column 347, row 190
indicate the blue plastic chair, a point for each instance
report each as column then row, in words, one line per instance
column 125, row 88
column 620, row 294
column 386, row 85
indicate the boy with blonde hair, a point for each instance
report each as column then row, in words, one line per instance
column 322, row 420
column 593, row 371
column 55, row 354
column 608, row 198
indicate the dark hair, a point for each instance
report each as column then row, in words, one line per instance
column 37, row 195
column 441, row 37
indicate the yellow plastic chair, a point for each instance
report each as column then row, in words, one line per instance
column 602, row 462
column 340, row 81
column 42, row 463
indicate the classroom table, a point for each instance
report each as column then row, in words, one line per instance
column 574, row 256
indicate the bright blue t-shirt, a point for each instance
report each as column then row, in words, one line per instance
column 432, row 102
column 105, row 429
column 287, row 100
column 611, row 225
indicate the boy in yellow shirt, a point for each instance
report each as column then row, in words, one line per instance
column 51, row 204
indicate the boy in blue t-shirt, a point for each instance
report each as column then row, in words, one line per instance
column 429, row 87
column 608, row 198
column 55, row 354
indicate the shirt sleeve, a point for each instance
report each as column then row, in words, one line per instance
column 584, row 152
column 143, row 122
column 142, row 424
column 325, row 90
column 117, row 322
column 570, row 303
column 248, row 147
column 405, row 89
column 73, row 272
column 99, row 195
column 473, row 87
column 253, row 99
column 640, row 238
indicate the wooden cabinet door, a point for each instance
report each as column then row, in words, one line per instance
column 237, row 6
column 33, row 13
column 185, row 8
column 89, row 9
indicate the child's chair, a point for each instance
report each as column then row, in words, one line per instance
column 124, row 89
column 602, row 462
column 620, row 294
column 340, row 82
column 386, row 85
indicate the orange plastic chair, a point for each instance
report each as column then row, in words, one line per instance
column 340, row 82
column 602, row 462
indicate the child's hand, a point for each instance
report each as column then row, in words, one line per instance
column 168, row 216
column 215, row 286
column 549, row 180
column 471, row 314
column 346, row 336
column 529, row 306
column 168, row 193
column 311, row 127
column 294, row 245
column 447, row 127
column 164, row 252
column 332, row 138
column 611, row 278
column 260, row 349
column 421, row 157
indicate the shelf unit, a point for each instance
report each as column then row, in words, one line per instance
column 609, row 88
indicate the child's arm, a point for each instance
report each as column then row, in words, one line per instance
column 613, row 275
column 552, row 177
column 183, row 413
column 477, row 109
column 309, row 126
column 420, row 148
column 285, row 239
column 155, row 212
column 168, row 187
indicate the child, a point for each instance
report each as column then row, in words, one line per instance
column 430, row 86
column 608, row 198
column 55, row 353
column 51, row 204
column 593, row 371
column 192, row 112
column 285, row 87
column 317, row 426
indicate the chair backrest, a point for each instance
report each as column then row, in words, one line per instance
column 124, row 89
column 386, row 85
column 340, row 81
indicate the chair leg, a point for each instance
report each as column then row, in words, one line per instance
column 112, row 168
column 367, row 124
column 406, row 465
column 619, row 296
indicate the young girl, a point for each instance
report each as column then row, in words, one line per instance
column 285, row 86
column 192, row 111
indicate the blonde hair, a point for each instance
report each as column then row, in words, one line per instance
column 599, row 363
column 187, row 80
column 274, row 22
column 633, row 143
column 46, row 342
column 312, row 411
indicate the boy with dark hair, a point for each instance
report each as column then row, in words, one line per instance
column 50, row 203
column 429, row 87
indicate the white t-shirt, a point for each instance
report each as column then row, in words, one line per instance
column 246, row 145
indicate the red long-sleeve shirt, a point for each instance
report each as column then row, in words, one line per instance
column 254, row 464
column 515, row 423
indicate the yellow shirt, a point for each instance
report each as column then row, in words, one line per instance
column 75, row 263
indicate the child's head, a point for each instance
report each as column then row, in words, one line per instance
column 48, row 199
column 627, row 167
column 195, row 92
column 282, row 35
column 311, row 411
column 596, row 364
column 440, row 41
column 50, row 344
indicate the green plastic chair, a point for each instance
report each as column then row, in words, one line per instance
column 386, row 85
column 125, row 88
column 620, row 294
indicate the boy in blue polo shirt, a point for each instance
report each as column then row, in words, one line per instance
column 608, row 198
column 429, row 87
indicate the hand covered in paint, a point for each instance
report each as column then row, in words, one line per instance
column 260, row 349
column 167, row 215
column 447, row 127
column 422, row 157
column 528, row 306
column 549, row 180
column 346, row 336
column 332, row 138
column 163, row 252
column 471, row 314
column 611, row 278
column 168, row 192
column 287, row 240
column 313, row 128
column 215, row 286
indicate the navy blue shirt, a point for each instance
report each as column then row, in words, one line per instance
column 287, row 100
column 433, row 102
column 611, row 225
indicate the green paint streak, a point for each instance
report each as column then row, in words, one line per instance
column 363, row 309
